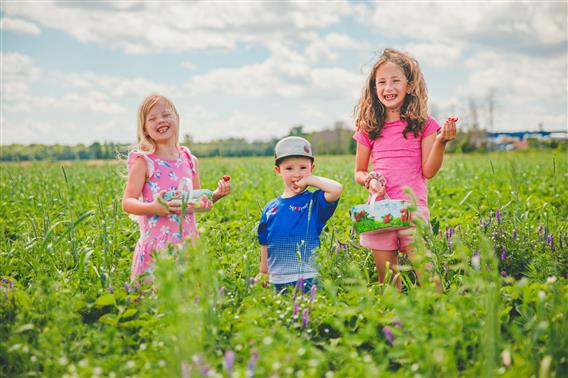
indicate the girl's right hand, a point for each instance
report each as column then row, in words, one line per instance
column 376, row 187
column 163, row 207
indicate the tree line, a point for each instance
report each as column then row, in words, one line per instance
column 335, row 141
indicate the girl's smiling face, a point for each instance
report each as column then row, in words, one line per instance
column 391, row 85
column 161, row 123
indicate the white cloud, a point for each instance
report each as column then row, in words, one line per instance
column 285, row 73
column 174, row 27
column 435, row 54
column 519, row 78
column 204, row 125
column 18, row 67
column 188, row 65
column 506, row 25
column 17, row 25
column 116, row 86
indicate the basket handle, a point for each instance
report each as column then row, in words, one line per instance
column 373, row 200
column 186, row 181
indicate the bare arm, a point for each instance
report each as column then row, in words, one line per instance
column 223, row 187
column 130, row 202
column 331, row 188
column 362, row 157
column 263, row 267
column 433, row 148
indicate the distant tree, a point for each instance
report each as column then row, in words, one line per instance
column 297, row 131
column 96, row 150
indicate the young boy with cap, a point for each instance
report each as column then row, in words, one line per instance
column 291, row 224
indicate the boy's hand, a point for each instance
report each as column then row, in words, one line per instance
column 301, row 184
column 448, row 131
column 262, row 278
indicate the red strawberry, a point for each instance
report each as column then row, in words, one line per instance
column 387, row 218
column 453, row 119
column 226, row 178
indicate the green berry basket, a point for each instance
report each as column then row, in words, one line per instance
column 198, row 200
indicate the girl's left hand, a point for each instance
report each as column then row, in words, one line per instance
column 223, row 188
column 448, row 131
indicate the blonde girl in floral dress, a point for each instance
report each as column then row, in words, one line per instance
column 157, row 164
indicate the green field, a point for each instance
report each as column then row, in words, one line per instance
column 66, row 250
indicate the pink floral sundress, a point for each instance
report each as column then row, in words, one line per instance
column 156, row 232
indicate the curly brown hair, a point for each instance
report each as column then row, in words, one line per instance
column 371, row 113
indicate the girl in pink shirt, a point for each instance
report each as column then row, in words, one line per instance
column 404, row 144
column 157, row 164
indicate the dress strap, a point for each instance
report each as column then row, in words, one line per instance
column 190, row 158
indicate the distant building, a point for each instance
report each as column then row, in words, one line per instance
column 519, row 140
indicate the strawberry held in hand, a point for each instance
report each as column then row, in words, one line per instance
column 226, row 178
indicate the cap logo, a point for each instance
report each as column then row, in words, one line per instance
column 307, row 149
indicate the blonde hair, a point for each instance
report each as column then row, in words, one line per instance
column 371, row 113
column 144, row 143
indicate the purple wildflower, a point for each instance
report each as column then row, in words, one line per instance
column 305, row 319
column 504, row 274
column 127, row 287
column 229, row 362
column 551, row 242
column 504, row 253
column 539, row 229
column 252, row 363
column 514, row 234
column 185, row 369
column 11, row 284
column 251, row 281
column 340, row 246
column 397, row 323
column 483, row 223
column 110, row 290
column 296, row 310
column 300, row 284
column 313, row 293
column 388, row 334
column 203, row 368
column 498, row 216
column 222, row 291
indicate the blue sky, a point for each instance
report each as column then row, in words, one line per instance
column 75, row 72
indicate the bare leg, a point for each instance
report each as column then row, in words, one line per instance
column 382, row 258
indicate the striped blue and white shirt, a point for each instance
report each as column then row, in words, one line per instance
column 290, row 228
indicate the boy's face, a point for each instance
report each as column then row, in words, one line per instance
column 292, row 170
